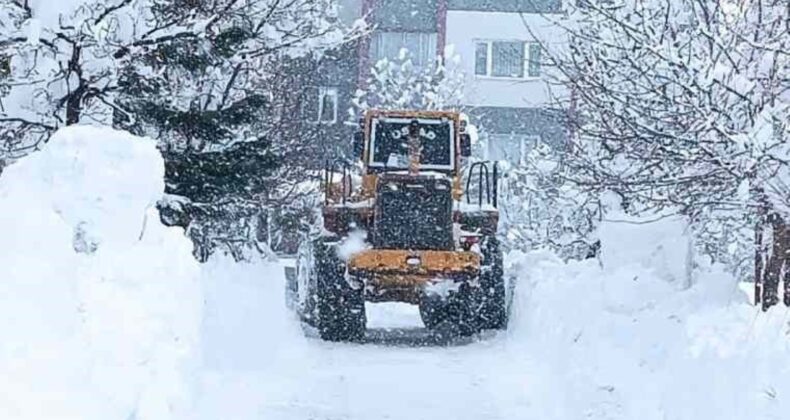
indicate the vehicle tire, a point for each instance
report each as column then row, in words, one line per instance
column 432, row 311
column 306, row 288
column 455, row 314
column 340, row 308
column 463, row 309
column 291, row 290
column 493, row 313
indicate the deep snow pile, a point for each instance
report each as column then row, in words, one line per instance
column 625, row 339
column 100, row 304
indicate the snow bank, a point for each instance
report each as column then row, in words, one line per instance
column 659, row 243
column 624, row 342
column 100, row 304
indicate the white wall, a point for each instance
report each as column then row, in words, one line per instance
column 464, row 28
column 350, row 11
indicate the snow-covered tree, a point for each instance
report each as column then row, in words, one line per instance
column 224, row 107
column 399, row 84
column 211, row 80
column 60, row 70
column 682, row 104
column 207, row 92
column 542, row 209
column 67, row 58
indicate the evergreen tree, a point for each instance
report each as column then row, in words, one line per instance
column 220, row 106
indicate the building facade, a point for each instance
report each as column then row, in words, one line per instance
column 500, row 44
column 508, row 90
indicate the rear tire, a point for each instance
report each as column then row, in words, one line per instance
column 340, row 308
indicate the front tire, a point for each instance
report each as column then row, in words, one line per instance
column 432, row 311
column 493, row 312
column 340, row 308
column 454, row 314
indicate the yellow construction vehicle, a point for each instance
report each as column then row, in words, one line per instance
column 405, row 227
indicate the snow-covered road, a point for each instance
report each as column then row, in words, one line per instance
column 259, row 365
column 630, row 346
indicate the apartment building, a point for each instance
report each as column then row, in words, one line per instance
column 500, row 45
column 507, row 91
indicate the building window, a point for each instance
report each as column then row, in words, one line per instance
column 5, row 66
column 507, row 59
column 481, row 59
column 420, row 45
column 327, row 105
column 5, row 72
column 513, row 148
column 586, row 4
column 534, row 60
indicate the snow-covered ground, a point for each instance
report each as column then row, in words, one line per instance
column 105, row 315
column 260, row 365
column 585, row 343
column 612, row 339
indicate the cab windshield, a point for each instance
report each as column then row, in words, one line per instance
column 389, row 141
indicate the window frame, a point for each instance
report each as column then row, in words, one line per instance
column 523, row 141
column 426, row 43
column 5, row 65
column 529, row 60
column 323, row 92
column 527, row 46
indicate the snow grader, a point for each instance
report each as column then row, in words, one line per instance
column 405, row 227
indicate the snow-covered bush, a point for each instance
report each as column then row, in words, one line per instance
column 100, row 304
column 541, row 209
column 727, row 238
column 288, row 224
